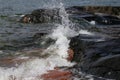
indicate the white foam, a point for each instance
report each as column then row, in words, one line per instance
column 26, row 71
column 33, row 68
column 85, row 32
column 93, row 22
column 62, row 43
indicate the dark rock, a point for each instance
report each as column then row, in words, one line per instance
column 103, row 9
column 78, row 47
column 50, row 15
column 108, row 67
column 39, row 35
column 42, row 16
column 75, row 10
column 97, row 58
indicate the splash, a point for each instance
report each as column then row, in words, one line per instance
column 35, row 67
column 61, row 35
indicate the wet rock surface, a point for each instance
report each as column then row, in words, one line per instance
column 50, row 15
column 42, row 16
column 57, row 75
column 53, row 16
column 99, row 58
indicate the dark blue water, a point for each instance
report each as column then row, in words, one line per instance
column 20, row 6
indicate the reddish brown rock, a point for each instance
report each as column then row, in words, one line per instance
column 57, row 75
column 70, row 55
column 26, row 18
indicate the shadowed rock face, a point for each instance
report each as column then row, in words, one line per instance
column 78, row 47
column 101, row 59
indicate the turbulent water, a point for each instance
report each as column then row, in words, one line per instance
column 35, row 66
column 17, row 39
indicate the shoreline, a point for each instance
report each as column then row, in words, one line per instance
column 112, row 10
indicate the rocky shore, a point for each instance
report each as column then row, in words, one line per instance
column 100, row 9
column 100, row 59
column 108, row 9
column 97, row 54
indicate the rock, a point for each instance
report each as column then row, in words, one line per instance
column 70, row 55
column 42, row 16
column 39, row 35
column 98, row 58
column 26, row 18
column 107, row 61
column 57, row 75
column 108, row 67
column 50, row 15
column 75, row 10
column 37, row 52
column 78, row 48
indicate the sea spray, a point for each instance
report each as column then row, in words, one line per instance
column 35, row 67
column 61, row 34
column 26, row 71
